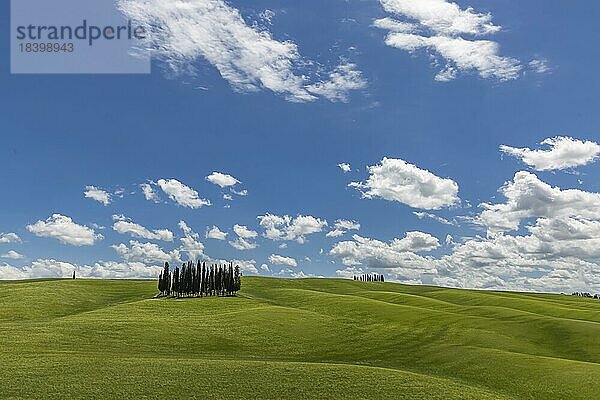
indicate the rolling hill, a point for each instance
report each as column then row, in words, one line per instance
column 303, row 338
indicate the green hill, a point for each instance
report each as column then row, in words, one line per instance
column 305, row 338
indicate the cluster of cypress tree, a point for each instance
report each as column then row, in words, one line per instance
column 585, row 294
column 199, row 280
column 370, row 278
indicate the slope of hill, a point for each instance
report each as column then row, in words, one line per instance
column 306, row 338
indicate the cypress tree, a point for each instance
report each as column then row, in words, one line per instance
column 176, row 282
column 198, row 277
column 237, row 279
column 203, row 283
column 230, row 281
column 160, row 283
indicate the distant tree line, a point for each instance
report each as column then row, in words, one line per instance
column 369, row 278
column 585, row 294
column 199, row 280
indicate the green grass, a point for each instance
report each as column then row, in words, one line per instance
column 305, row 338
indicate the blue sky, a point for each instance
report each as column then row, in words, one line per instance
column 63, row 133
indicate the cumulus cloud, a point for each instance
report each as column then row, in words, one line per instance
column 137, row 230
column 397, row 180
column 151, row 253
column 249, row 58
column 242, row 244
column 9, row 237
column 146, row 253
column 442, row 16
column 49, row 268
column 565, row 152
column 438, row 26
column 243, row 192
column 222, row 180
column 276, row 259
column 289, row 228
column 97, row 194
column 341, row 226
column 345, row 167
column 65, row 230
column 149, row 192
column 13, row 255
column 246, row 266
column 539, row 66
column 190, row 243
column 558, row 254
column 558, row 251
column 527, row 196
column 345, row 78
column 441, row 220
column 215, row 233
column 243, row 235
column 243, row 232
column 379, row 254
column 182, row 194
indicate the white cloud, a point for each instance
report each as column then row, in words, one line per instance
column 13, row 255
column 565, row 152
column 527, row 197
column 341, row 226
column 265, row 267
column 215, row 233
column 347, row 225
column 243, row 192
column 341, row 81
column 151, row 253
column 335, row 233
column 222, row 180
column 182, row 194
column 242, row 242
column 441, row 220
column 9, row 237
column 190, row 243
column 397, row 180
column 378, row 254
column 437, row 26
column 43, row 268
column 147, row 253
column 349, row 272
column 137, row 230
column 64, row 229
column 460, row 54
column 246, row 266
column 287, row 272
column 243, row 232
column 247, row 57
column 559, row 254
column 227, row 197
column 540, row 66
column 97, row 194
column 442, row 16
column 276, row 259
column 345, row 167
column 289, row 228
column 559, row 250
column 149, row 192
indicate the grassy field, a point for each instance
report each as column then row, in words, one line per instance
column 305, row 338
